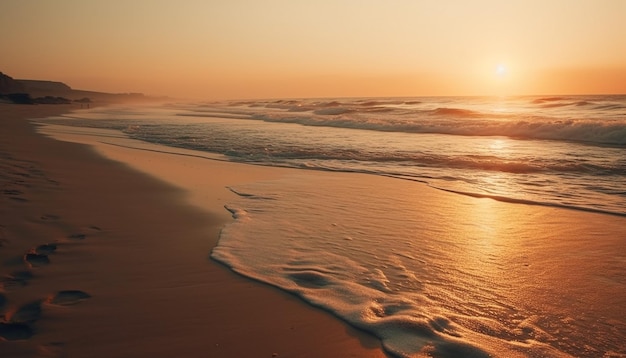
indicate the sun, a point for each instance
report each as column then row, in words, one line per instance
column 501, row 70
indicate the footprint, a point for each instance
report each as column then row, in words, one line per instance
column 52, row 349
column 77, row 237
column 3, row 301
column 3, row 239
column 11, row 192
column 15, row 331
column 50, row 217
column 17, row 278
column 36, row 260
column 14, row 194
column 28, row 313
column 68, row 297
column 45, row 249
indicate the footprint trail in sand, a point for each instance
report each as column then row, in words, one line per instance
column 17, row 321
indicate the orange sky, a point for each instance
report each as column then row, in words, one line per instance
column 324, row 48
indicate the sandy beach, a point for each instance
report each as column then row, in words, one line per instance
column 106, row 242
column 100, row 260
column 313, row 179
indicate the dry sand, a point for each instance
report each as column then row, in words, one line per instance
column 131, row 268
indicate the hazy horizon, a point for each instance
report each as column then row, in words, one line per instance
column 283, row 49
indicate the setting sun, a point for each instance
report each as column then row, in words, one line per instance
column 241, row 49
column 501, row 70
column 386, row 179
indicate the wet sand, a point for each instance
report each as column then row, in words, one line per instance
column 100, row 260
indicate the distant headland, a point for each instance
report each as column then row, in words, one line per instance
column 22, row 91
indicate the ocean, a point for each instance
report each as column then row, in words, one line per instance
column 489, row 270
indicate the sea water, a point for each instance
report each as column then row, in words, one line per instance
column 454, row 277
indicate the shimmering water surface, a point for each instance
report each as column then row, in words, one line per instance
column 564, row 151
column 449, row 277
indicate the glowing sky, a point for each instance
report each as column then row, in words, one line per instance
column 322, row 48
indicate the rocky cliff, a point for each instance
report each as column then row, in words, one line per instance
column 9, row 85
column 32, row 86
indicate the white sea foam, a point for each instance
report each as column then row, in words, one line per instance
column 405, row 267
column 428, row 276
column 569, row 154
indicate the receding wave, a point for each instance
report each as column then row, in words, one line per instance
column 610, row 107
column 583, row 131
column 548, row 99
column 333, row 111
column 456, row 112
column 583, row 103
column 558, row 102
column 592, row 119
column 265, row 149
column 509, row 199
column 513, row 200
column 609, row 133
column 579, row 161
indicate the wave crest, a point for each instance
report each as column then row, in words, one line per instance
column 455, row 112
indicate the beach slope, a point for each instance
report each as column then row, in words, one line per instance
column 100, row 260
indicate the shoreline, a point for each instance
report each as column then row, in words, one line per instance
column 138, row 222
column 137, row 247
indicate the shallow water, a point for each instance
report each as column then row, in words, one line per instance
column 539, row 272
column 448, row 277
column 561, row 151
